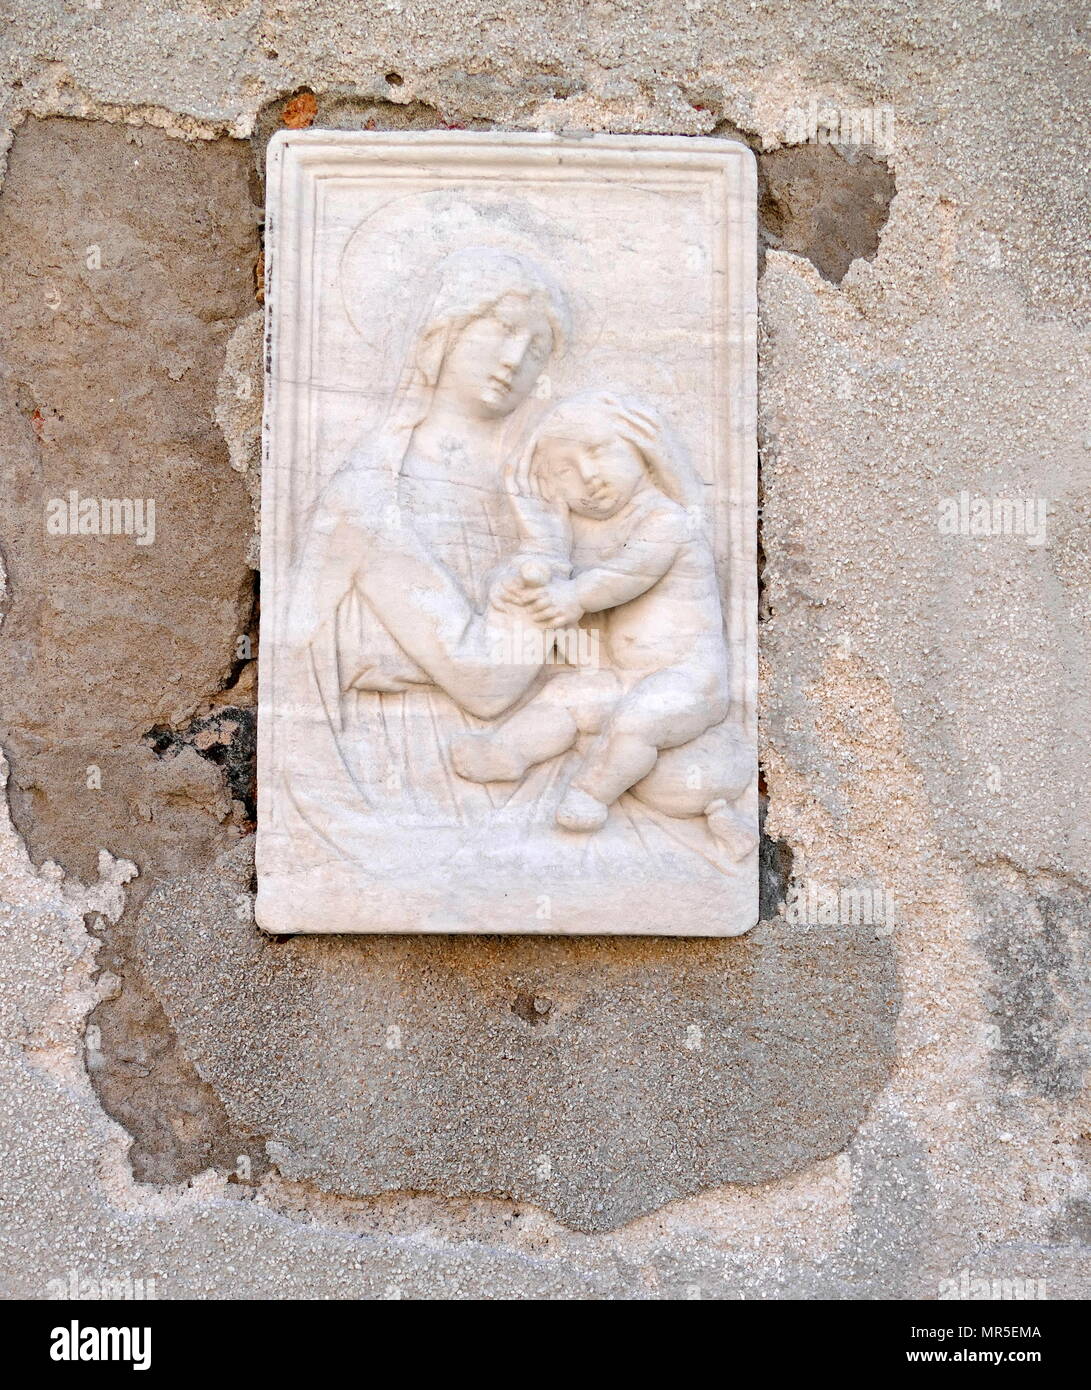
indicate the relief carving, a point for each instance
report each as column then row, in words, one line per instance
column 503, row 633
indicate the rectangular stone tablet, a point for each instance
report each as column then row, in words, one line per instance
column 508, row 631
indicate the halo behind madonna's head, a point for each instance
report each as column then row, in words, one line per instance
column 471, row 283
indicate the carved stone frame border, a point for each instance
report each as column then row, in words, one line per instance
column 300, row 166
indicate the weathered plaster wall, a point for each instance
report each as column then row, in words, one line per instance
column 831, row 1111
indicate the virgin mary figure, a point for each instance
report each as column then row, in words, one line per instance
column 391, row 633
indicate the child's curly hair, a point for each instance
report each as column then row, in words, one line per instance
column 625, row 418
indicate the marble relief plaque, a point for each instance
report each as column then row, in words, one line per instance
column 508, row 633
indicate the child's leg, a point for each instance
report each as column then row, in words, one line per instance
column 661, row 711
column 737, row 833
column 571, row 703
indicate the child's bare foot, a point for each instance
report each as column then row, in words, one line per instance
column 478, row 759
column 736, row 833
column 580, row 811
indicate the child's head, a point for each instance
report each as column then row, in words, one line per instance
column 590, row 454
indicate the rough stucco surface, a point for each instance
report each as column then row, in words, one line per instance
column 556, row 1072
column 110, row 377
column 857, row 1115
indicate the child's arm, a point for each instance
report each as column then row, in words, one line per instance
column 644, row 559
